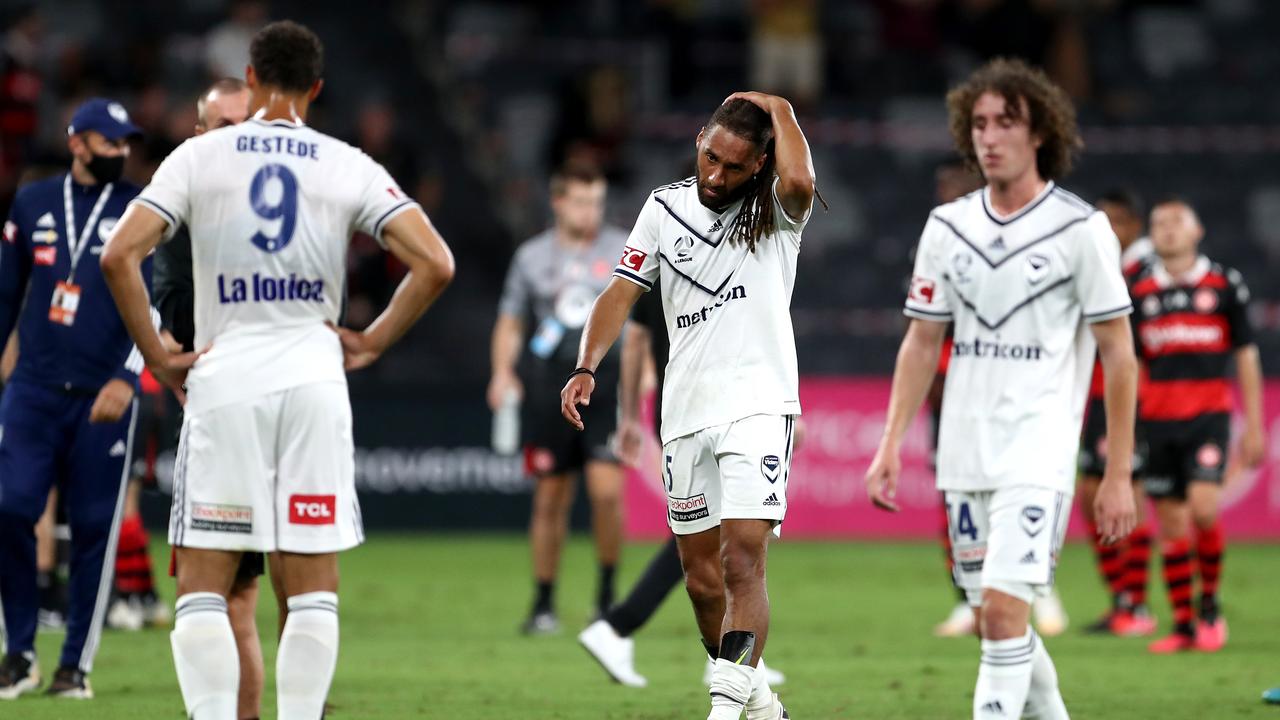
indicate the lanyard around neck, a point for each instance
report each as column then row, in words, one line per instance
column 77, row 244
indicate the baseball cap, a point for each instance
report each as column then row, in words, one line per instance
column 105, row 116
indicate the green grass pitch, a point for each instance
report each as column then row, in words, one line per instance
column 429, row 630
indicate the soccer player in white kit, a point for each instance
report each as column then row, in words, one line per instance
column 266, row 460
column 725, row 244
column 1030, row 275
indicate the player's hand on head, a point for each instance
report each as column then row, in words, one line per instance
column 1114, row 508
column 576, row 392
column 759, row 99
column 112, row 401
column 882, row 480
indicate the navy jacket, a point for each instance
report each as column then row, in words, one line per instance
column 35, row 256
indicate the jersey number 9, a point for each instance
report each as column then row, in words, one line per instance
column 270, row 205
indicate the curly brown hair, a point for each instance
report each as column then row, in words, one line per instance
column 1052, row 115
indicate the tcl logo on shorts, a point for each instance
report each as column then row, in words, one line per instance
column 312, row 509
column 633, row 258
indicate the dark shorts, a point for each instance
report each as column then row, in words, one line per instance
column 1093, row 443
column 552, row 446
column 1184, row 452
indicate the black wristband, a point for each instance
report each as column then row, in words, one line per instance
column 582, row 371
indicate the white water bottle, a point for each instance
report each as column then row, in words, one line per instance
column 505, row 437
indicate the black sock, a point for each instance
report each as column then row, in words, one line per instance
column 1209, row 608
column 660, row 576
column 49, row 586
column 604, row 597
column 542, row 601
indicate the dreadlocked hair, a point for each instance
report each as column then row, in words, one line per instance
column 746, row 120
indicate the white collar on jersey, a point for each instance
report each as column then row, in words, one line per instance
column 1006, row 219
column 1186, row 279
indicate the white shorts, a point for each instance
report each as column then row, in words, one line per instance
column 1007, row 539
column 736, row 471
column 273, row 473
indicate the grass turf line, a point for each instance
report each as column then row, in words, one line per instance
column 429, row 630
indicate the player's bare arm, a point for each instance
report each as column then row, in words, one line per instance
column 1249, row 372
column 136, row 235
column 1114, row 506
column 604, row 324
column 792, row 161
column 636, row 347
column 912, row 375
column 504, row 352
column 413, row 240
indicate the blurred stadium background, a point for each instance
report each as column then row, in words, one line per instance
column 471, row 103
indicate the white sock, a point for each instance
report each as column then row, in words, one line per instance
column 204, row 654
column 1004, row 678
column 307, row 656
column 731, row 686
column 761, row 700
column 1044, row 702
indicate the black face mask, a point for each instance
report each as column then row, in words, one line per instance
column 106, row 169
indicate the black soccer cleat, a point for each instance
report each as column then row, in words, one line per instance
column 71, row 683
column 18, row 674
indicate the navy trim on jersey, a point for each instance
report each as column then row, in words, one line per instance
column 168, row 216
column 1021, row 212
column 687, row 182
column 996, row 325
column 907, row 309
column 696, row 284
column 1012, row 254
column 377, row 226
column 1108, row 314
column 686, row 225
column 633, row 277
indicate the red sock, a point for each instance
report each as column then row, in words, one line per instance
column 133, row 563
column 1139, row 558
column 1209, row 549
column 1112, row 561
column 1177, row 577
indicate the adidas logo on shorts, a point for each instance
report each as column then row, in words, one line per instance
column 772, row 500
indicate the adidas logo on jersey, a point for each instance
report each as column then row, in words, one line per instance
column 997, row 244
column 1029, row 558
column 117, row 450
column 718, row 225
column 772, row 500
column 45, row 221
column 993, row 708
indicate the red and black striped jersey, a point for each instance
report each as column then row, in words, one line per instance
column 1133, row 260
column 1186, row 330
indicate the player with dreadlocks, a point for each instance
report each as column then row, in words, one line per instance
column 725, row 244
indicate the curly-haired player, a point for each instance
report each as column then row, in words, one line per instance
column 1030, row 274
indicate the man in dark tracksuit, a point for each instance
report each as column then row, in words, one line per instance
column 67, row 415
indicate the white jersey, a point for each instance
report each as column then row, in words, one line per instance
column 728, row 311
column 271, row 207
column 1021, row 290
